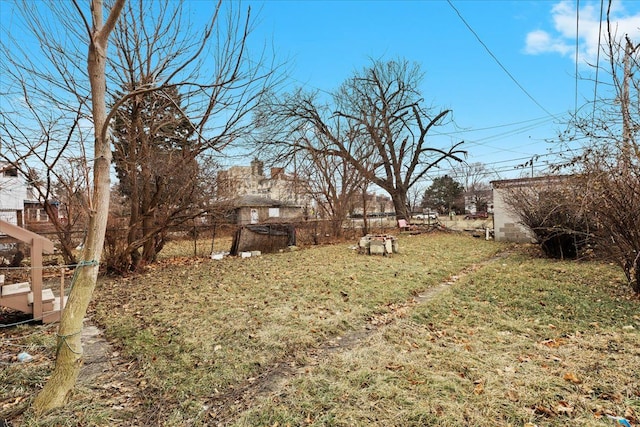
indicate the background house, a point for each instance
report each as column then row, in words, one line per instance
column 256, row 198
column 13, row 193
column 478, row 201
column 260, row 210
column 18, row 203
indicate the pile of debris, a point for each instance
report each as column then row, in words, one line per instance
column 378, row 244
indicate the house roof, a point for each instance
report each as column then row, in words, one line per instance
column 519, row 182
column 250, row 200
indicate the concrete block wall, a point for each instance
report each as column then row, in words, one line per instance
column 512, row 232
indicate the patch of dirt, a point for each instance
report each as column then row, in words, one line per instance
column 115, row 380
column 97, row 354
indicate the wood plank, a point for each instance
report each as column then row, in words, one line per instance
column 47, row 296
column 26, row 236
column 16, row 288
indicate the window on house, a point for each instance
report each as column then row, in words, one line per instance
column 10, row 172
column 274, row 212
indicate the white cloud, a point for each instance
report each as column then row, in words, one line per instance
column 541, row 42
column 562, row 39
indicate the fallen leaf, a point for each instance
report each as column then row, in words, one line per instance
column 551, row 343
column 564, row 407
column 570, row 376
column 630, row 414
column 544, row 410
column 394, row 367
column 478, row 389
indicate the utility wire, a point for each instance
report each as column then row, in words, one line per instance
column 575, row 106
column 595, row 84
column 542, row 120
column 499, row 63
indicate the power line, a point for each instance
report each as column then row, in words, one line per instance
column 484, row 141
column 575, row 106
column 542, row 120
column 498, row 61
column 595, row 84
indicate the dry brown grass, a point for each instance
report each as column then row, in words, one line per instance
column 325, row 336
column 518, row 342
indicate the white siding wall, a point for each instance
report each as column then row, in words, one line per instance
column 13, row 193
column 506, row 224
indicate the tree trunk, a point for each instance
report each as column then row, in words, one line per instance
column 69, row 350
column 400, row 205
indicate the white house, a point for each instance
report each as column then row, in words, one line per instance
column 13, row 193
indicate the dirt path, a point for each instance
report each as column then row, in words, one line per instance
column 97, row 353
column 103, row 364
column 274, row 379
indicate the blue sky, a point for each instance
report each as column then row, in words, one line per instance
column 507, row 69
column 503, row 122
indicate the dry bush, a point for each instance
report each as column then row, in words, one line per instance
column 614, row 184
column 557, row 211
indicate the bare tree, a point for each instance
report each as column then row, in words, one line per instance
column 163, row 131
column 608, row 167
column 63, row 194
column 473, row 177
column 376, row 122
column 64, row 376
column 60, row 79
column 611, row 161
column 44, row 144
column 414, row 196
column 332, row 184
column 557, row 210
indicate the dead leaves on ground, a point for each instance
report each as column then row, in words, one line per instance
column 572, row 377
column 392, row 313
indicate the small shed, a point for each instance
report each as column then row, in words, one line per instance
column 263, row 237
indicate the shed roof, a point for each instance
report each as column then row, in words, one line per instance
column 530, row 181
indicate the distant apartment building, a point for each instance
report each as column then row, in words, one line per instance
column 375, row 204
column 239, row 181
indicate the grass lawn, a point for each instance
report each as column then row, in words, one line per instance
column 327, row 337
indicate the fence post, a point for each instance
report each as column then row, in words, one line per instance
column 61, row 290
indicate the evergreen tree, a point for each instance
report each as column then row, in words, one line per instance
column 444, row 194
column 157, row 171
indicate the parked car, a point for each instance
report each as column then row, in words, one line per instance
column 477, row 215
column 427, row 215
